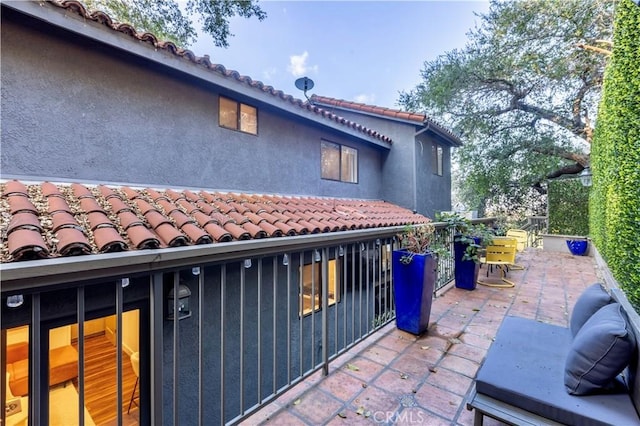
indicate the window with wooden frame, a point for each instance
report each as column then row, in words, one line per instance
column 311, row 276
column 339, row 162
column 238, row 116
column 437, row 153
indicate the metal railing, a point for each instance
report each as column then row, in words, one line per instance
column 535, row 226
column 263, row 315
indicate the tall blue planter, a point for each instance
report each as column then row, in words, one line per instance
column 466, row 271
column 413, row 286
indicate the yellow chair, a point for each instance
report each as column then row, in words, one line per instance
column 521, row 236
column 502, row 254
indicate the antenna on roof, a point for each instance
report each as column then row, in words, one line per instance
column 304, row 84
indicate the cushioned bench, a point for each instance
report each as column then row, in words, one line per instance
column 536, row 373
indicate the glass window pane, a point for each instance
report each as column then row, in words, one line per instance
column 439, row 161
column 349, row 165
column 330, row 160
column 248, row 119
column 228, row 113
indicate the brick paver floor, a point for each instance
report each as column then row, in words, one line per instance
column 396, row 378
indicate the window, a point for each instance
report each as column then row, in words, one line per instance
column 437, row 153
column 311, row 297
column 238, row 116
column 339, row 162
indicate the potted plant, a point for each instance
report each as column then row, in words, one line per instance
column 414, row 276
column 468, row 241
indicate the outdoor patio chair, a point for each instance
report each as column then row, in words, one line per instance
column 502, row 255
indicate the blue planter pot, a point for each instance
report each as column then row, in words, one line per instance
column 578, row 247
column 466, row 271
column 413, row 286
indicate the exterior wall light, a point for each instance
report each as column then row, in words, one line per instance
column 124, row 282
column 585, row 177
column 15, row 301
column 183, row 303
column 285, row 259
column 195, row 270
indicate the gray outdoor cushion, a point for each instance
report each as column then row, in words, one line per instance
column 524, row 367
column 589, row 302
column 600, row 351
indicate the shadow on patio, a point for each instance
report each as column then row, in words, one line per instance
column 397, row 378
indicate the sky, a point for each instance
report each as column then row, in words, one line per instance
column 361, row 51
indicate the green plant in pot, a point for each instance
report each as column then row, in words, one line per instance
column 468, row 241
column 414, row 276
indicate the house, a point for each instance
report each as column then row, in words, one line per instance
column 181, row 242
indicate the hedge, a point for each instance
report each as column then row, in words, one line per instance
column 568, row 202
column 615, row 156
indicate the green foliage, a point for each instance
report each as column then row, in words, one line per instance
column 167, row 21
column 420, row 239
column 467, row 233
column 615, row 156
column 522, row 94
column 568, row 207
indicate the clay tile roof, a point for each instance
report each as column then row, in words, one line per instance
column 417, row 118
column 81, row 219
column 205, row 62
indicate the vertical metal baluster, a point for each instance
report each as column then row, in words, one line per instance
column 289, row 320
column 155, row 355
column 344, row 298
column 176, row 335
column 360, row 295
column 301, row 314
column 353, row 292
column 80, row 320
column 368, row 286
column 242, row 300
column 337, row 289
column 223, row 284
column 34, row 351
column 275, row 323
column 313, row 310
column 200, row 346
column 325, row 306
column 119, row 304
column 259, row 323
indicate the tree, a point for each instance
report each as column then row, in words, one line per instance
column 167, row 21
column 522, row 94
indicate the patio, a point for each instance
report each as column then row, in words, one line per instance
column 396, row 378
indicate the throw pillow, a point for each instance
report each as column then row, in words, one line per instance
column 589, row 302
column 600, row 351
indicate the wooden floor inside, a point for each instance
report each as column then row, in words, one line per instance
column 100, row 395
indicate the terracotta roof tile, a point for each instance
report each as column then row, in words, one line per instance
column 205, row 62
column 77, row 219
column 418, row 118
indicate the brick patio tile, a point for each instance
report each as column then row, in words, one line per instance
column 349, row 417
column 285, row 418
column 460, row 365
column 395, row 342
column 429, row 351
column 379, row 354
column 341, row 385
column 375, row 400
column 363, row 369
column 473, row 339
column 315, row 406
column 415, row 416
column 472, row 353
column 397, row 382
column 450, row 380
column 264, row 415
column 439, row 401
column 487, row 330
column 453, row 321
column 415, row 367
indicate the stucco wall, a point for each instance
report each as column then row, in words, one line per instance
column 73, row 111
column 428, row 193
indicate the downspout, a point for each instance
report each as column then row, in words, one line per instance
column 415, row 166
